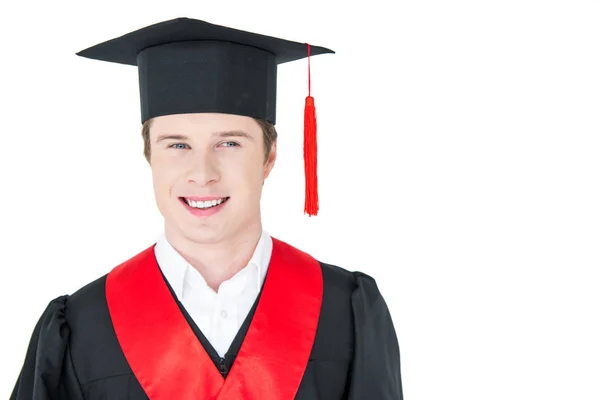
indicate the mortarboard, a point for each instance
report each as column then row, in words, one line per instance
column 190, row 66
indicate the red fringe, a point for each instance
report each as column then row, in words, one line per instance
column 311, row 204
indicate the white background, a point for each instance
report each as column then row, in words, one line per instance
column 458, row 165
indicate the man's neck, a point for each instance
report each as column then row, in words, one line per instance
column 217, row 261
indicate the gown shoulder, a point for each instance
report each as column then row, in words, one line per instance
column 375, row 371
column 355, row 303
column 47, row 372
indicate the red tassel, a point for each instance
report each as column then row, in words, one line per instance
column 311, row 203
column 311, row 196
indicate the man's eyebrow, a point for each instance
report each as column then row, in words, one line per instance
column 171, row 136
column 220, row 134
column 234, row 134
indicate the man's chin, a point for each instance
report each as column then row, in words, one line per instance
column 205, row 233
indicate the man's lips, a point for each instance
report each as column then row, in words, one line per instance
column 204, row 208
column 212, row 201
column 204, row 198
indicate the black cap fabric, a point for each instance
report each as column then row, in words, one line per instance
column 188, row 66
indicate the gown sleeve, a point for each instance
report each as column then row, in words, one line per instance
column 47, row 372
column 375, row 371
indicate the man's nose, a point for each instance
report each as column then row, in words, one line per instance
column 203, row 169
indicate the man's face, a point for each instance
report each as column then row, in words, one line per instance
column 203, row 157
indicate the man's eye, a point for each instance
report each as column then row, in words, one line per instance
column 178, row 145
column 231, row 144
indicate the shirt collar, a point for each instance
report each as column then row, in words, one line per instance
column 174, row 266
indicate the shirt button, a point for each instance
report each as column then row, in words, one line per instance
column 224, row 314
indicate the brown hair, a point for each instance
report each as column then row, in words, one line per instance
column 269, row 136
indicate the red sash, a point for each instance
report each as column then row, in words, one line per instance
column 168, row 359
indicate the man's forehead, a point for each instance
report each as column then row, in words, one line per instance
column 212, row 122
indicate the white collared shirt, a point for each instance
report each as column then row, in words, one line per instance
column 218, row 315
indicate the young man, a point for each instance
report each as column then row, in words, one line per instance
column 217, row 308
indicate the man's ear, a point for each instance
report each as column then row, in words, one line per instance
column 271, row 160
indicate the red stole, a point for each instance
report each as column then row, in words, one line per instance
column 168, row 359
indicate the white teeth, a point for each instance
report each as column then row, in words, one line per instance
column 204, row 204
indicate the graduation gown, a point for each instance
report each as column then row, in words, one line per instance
column 75, row 352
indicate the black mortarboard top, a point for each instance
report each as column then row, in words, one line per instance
column 190, row 66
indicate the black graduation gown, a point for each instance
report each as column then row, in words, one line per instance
column 74, row 353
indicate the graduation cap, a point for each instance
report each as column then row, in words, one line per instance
column 191, row 66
